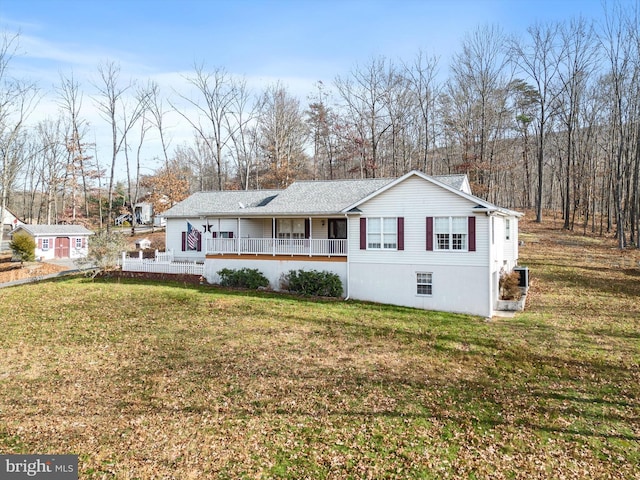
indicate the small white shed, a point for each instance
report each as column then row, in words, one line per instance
column 58, row 241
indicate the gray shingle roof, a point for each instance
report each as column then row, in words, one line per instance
column 55, row 230
column 456, row 181
column 302, row 197
column 221, row 202
column 317, row 197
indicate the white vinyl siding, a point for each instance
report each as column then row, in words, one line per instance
column 415, row 199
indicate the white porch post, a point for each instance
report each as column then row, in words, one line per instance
column 310, row 236
column 239, row 236
column 273, row 236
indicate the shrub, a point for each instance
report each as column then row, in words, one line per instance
column 24, row 247
column 105, row 249
column 244, row 278
column 313, row 282
column 510, row 286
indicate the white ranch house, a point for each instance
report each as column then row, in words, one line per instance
column 415, row 241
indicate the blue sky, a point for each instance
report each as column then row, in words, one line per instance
column 297, row 42
column 298, row 39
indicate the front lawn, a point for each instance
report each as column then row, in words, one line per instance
column 173, row 381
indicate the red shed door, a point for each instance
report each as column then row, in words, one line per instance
column 62, row 247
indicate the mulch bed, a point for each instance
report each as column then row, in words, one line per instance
column 158, row 277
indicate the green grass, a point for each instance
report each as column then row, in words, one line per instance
column 145, row 380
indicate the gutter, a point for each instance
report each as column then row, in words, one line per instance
column 348, row 286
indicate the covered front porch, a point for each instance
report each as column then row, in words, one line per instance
column 324, row 237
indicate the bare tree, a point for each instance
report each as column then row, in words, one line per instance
column 240, row 123
column 52, row 170
column 363, row 95
column 425, row 90
column 120, row 115
column 479, row 84
column 283, row 136
column 218, row 92
column 17, row 101
column 79, row 165
column 538, row 60
column 577, row 65
column 156, row 108
column 621, row 49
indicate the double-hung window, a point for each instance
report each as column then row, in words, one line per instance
column 45, row 244
column 424, row 283
column 451, row 233
column 382, row 233
column 291, row 228
column 78, row 242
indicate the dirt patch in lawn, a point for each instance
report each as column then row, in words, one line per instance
column 13, row 271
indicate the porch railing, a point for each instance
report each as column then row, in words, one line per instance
column 277, row 246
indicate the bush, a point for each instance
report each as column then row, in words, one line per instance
column 313, row 282
column 244, row 278
column 24, row 247
column 510, row 286
column 105, row 249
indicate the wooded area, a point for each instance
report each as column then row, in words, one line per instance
column 546, row 120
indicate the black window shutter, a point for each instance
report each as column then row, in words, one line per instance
column 307, row 228
column 184, row 241
column 363, row 234
column 429, row 233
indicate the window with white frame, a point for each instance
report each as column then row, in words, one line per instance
column 424, row 283
column 507, row 229
column 291, row 228
column 78, row 242
column 382, row 233
column 451, row 233
column 45, row 244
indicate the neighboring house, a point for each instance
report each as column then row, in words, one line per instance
column 9, row 220
column 58, row 241
column 143, row 212
column 416, row 241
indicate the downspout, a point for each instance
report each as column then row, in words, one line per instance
column 348, row 286
column 493, row 293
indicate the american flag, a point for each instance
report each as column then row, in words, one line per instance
column 193, row 236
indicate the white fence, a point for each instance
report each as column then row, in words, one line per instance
column 162, row 263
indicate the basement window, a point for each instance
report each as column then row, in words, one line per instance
column 424, row 283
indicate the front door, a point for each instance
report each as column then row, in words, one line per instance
column 337, row 228
column 62, row 247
